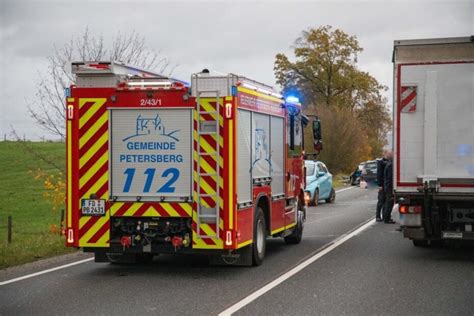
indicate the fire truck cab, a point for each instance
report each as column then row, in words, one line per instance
column 157, row 165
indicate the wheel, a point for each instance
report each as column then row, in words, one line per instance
column 332, row 196
column 421, row 243
column 297, row 235
column 259, row 238
column 315, row 200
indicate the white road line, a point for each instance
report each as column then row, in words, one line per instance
column 345, row 189
column 45, row 271
column 78, row 262
column 250, row 298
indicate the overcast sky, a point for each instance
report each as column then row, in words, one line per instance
column 226, row 36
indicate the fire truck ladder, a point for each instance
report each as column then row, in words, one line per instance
column 208, row 215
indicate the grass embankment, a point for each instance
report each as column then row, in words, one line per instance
column 339, row 181
column 21, row 196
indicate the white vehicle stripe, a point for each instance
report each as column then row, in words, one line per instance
column 252, row 297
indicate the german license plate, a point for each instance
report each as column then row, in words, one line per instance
column 93, row 207
column 452, row 235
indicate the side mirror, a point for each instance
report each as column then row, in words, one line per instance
column 317, row 130
column 321, row 174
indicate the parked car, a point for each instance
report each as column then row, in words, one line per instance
column 318, row 183
column 354, row 178
column 369, row 171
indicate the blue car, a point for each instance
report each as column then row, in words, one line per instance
column 318, row 183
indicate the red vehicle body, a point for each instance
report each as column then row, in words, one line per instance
column 155, row 166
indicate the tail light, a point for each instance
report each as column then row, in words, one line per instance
column 406, row 209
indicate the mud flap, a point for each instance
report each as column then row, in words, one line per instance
column 239, row 257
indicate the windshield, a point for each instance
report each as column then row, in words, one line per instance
column 371, row 166
column 310, row 169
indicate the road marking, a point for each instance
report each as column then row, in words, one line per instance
column 45, row 271
column 331, row 246
column 32, row 275
column 345, row 189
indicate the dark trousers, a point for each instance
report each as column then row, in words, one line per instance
column 387, row 211
column 380, row 204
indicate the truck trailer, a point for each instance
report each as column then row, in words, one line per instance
column 156, row 165
column 434, row 138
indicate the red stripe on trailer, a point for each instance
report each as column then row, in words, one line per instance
column 408, row 99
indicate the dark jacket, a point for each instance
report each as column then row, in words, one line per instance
column 388, row 178
column 380, row 171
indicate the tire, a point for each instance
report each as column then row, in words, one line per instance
column 315, row 200
column 259, row 238
column 297, row 235
column 332, row 196
column 421, row 243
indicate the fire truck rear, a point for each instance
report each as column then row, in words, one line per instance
column 156, row 166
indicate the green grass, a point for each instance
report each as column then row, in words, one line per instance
column 21, row 196
column 339, row 181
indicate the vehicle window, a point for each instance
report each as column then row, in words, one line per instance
column 310, row 169
column 323, row 168
column 372, row 166
column 319, row 167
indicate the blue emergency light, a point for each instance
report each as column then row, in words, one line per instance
column 292, row 99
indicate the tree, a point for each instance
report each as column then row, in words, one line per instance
column 326, row 76
column 345, row 143
column 324, row 68
column 48, row 108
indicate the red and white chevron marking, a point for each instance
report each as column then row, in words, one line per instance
column 408, row 99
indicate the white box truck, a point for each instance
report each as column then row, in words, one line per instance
column 434, row 138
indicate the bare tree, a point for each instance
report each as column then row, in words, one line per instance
column 48, row 108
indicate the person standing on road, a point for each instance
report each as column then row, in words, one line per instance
column 388, row 189
column 381, row 163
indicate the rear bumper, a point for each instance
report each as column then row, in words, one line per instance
column 457, row 235
column 419, row 233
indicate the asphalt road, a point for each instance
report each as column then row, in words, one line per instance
column 375, row 272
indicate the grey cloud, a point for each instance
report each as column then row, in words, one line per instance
column 227, row 36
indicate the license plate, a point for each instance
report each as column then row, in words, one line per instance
column 93, row 207
column 452, row 235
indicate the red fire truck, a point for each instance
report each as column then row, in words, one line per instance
column 155, row 165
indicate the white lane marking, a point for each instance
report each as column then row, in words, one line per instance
column 345, row 189
column 79, row 262
column 253, row 296
column 45, row 271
